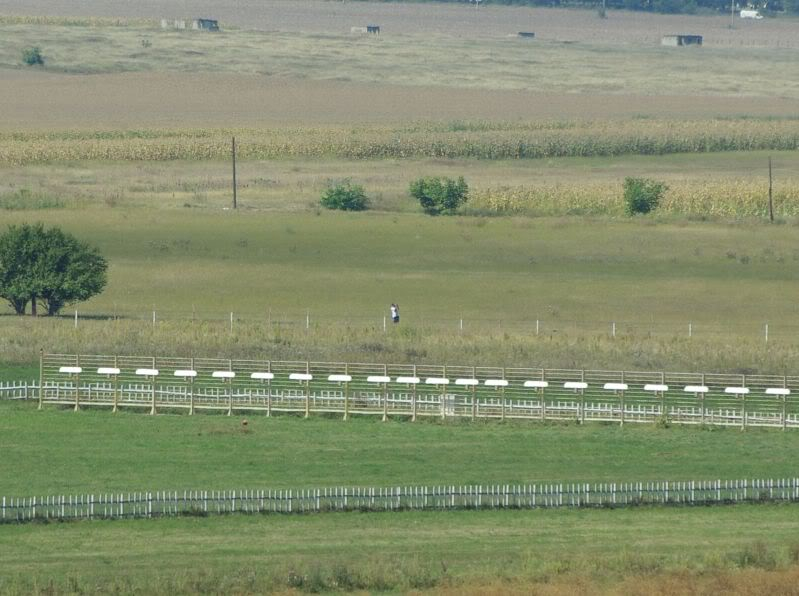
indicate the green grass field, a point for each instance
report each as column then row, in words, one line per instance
column 67, row 452
column 314, row 107
column 576, row 275
column 627, row 551
column 56, row 451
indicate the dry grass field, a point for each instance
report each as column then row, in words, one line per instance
column 55, row 101
column 455, row 19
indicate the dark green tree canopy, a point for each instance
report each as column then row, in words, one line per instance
column 48, row 265
column 440, row 196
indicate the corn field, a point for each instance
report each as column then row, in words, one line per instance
column 713, row 198
column 478, row 140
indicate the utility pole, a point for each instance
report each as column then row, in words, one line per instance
column 732, row 14
column 770, row 202
column 234, row 173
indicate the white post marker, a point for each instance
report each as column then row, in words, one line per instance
column 384, row 381
column 498, row 384
column 473, row 383
column 73, row 372
column 189, row 376
column 412, row 381
column 782, row 392
column 698, row 391
column 151, row 374
column 267, row 378
column 442, row 383
column 739, row 392
column 539, row 387
column 304, row 378
column 660, row 391
column 578, row 387
column 618, row 389
column 109, row 372
column 226, row 376
column 343, row 379
column 339, row 378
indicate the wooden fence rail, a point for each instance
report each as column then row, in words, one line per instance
column 318, row 500
column 163, row 383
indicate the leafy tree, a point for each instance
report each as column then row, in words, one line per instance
column 642, row 195
column 440, row 196
column 345, row 196
column 32, row 56
column 48, row 265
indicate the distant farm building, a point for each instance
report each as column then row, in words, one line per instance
column 681, row 40
column 196, row 24
column 205, row 25
column 369, row 29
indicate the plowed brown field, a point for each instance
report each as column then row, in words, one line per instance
column 41, row 101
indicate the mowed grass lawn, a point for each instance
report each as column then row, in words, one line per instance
column 57, row 451
column 399, row 551
column 54, row 452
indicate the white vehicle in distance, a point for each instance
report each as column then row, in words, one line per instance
column 750, row 14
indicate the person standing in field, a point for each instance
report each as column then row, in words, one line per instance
column 395, row 313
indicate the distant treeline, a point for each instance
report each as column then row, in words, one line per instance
column 662, row 6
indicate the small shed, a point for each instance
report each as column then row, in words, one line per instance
column 205, row 25
column 681, row 40
column 369, row 29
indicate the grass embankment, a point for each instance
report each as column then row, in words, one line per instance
column 731, row 549
column 62, row 452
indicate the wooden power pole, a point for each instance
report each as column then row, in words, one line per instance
column 234, row 172
column 770, row 201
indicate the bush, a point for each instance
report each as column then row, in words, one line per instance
column 32, row 56
column 440, row 196
column 345, row 196
column 642, row 195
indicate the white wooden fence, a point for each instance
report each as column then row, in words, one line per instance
column 156, row 384
column 317, row 500
column 230, row 321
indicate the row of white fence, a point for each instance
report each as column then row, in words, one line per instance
column 317, row 500
column 408, row 390
column 230, row 321
column 403, row 404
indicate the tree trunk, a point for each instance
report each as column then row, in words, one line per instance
column 19, row 307
column 33, row 305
